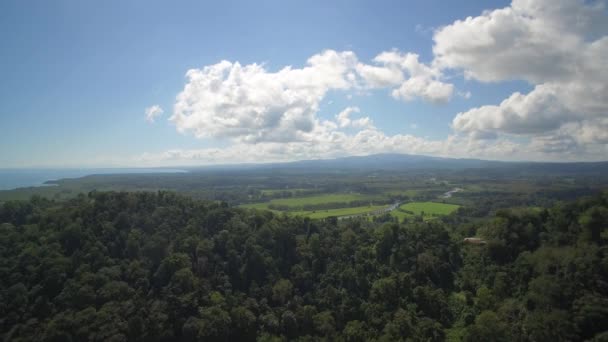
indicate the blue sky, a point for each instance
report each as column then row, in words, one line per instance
column 79, row 75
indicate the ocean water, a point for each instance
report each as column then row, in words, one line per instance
column 20, row 178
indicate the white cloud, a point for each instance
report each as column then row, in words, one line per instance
column 153, row 112
column 248, row 103
column 533, row 40
column 380, row 77
column 328, row 142
column 343, row 119
column 421, row 87
column 251, row 104
column 536, row 112
column 560, row 47
column 412, row 78
column 371, row 141
column 330, row 145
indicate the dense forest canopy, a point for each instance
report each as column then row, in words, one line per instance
column 157, row 266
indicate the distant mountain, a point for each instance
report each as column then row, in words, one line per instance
column 392, row 161
column 385, row 161
column 395, row 161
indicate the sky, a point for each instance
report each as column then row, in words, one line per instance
column 169, row 83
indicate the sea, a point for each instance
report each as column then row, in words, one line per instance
column 21, row 178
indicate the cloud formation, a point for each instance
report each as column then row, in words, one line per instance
column 411, row 78
column 153, row 112
column 560, row 47
column 332, row 144
column 344, row 120
column 251, row 104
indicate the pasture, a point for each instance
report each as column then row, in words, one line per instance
column 318, row 214
column 427, row 210
column 319, row 199
column 294, row 203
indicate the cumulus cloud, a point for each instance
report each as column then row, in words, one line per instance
column 344, row 120
column 326, row 141
column 333, row 144
column 560, row 47
column 249, row 103
column 411, row 78
column 370, row 141
column 539, row 111
column 153, row 112
column 533, row 40
column 380, row 76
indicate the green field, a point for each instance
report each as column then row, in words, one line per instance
column 298, row 202
column 432, row 208
column 338, row 212
column 428, row 210
column 317, row 214
column 320, row 199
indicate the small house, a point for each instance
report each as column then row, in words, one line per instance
column 474, row 241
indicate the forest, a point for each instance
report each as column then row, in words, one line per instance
column 160, row 266
column 308, row 171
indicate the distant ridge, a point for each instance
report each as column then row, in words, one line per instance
column 393, row 161
column 396, row 161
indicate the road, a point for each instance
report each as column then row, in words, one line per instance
column 375, row 212
column 453, row 191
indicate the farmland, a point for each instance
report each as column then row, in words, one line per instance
column 427, row 210
column 337, row 192
column 431, row 208
column 294, row 203
column 318, row 214
column 341, row 204
column 325, row 205
column 320, row 199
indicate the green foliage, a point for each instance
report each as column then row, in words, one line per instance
column 162, row 267
column 487, row 327
column 429, row 208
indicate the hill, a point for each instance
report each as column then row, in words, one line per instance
column 162, row 267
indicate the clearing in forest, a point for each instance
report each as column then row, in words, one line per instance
column 299, row 202
column 428, row 210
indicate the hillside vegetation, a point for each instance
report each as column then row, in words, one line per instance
column 426, row 210
column 162, row 267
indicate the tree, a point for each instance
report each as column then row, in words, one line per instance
column 282, row 290
column 487, row 327
column 554, row 325
column 324, row 323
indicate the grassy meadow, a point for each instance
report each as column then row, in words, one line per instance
column 318, row 214
column 298, row 202
column 428, row 210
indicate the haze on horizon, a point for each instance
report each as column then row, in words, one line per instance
column 151, row 83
